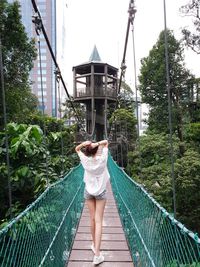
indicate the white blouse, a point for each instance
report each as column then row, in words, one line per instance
column 96, row 173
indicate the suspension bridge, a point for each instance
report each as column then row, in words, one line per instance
column 137, row 231
column 43, row 235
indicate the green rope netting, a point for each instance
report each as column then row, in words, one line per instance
column 155, row 238
column 43, row 234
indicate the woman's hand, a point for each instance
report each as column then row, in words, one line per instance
column 86, row 143
column 93, row 145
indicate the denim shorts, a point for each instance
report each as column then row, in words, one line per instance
column 98, row 197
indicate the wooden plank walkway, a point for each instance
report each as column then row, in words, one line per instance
column 113, row 245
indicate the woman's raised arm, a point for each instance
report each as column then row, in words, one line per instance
column 78, row 147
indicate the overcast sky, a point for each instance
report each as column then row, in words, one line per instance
column 104, row 22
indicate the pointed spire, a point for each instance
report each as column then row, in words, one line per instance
column 95, row 55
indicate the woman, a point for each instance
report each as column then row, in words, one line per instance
column 94, row 160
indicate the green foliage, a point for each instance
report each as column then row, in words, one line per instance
column 192, row 133
column 176, row 264
column 153, row 85
column 187, row 171
column 151, row 166
column 124, row 132
column 25, row 140
column 33, row 157
column 191, row 37
column 125, row 99
column 51, row 124
column 18, row 55
column 127, row 121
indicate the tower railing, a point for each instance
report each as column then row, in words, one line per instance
column 98, row 92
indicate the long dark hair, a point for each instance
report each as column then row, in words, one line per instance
column 90, row 151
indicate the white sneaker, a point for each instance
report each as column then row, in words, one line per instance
column 93, row 248
column 98, row 259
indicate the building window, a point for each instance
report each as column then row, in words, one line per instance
column 44, row 79
column 44, row 86
column 43, row 57
column 42, row 43
column 43, row 50
column 40, row 99
column 40, row 93
column 43, row 13
column 42, row 8
column 43, row 65
column 43, row 72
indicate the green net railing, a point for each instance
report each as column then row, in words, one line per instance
column 155, row 238
column 43, row 234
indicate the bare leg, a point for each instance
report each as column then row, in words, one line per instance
column 100, row 205
column 91, row 203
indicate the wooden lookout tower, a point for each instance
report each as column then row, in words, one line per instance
column 95, row 86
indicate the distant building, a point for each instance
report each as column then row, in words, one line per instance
column 54, row 26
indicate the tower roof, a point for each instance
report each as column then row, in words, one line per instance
column 95, row 55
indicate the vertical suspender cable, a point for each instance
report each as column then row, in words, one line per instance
column 5, row 127
column 168, row 85
column 136, row 102
column 131, row 17
column 132, row 11
column 136, row 86
column 43, row 107
column 60, row 116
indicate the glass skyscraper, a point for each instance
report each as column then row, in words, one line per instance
column 48, row 10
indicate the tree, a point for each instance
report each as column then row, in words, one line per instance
column 18, row 55
column 188, row 183
column 126, row 97
column 192, row 39
column 153, row 85
column 152, row 168
column 30, row 153
column 124, row 132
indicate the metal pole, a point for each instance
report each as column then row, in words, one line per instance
column 168, row 85
column 6, row 135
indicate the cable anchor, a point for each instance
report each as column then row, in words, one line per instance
column 36, row 19
column 132, row 10
column 123, row 68
column 58, row 74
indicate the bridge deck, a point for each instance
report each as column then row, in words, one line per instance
column 113, row 246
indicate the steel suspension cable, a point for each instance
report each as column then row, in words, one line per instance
column 5, row 127
column 168, row 85
column 38, row 20
column 135, row 83
column 123, row 63
column 131, row 17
